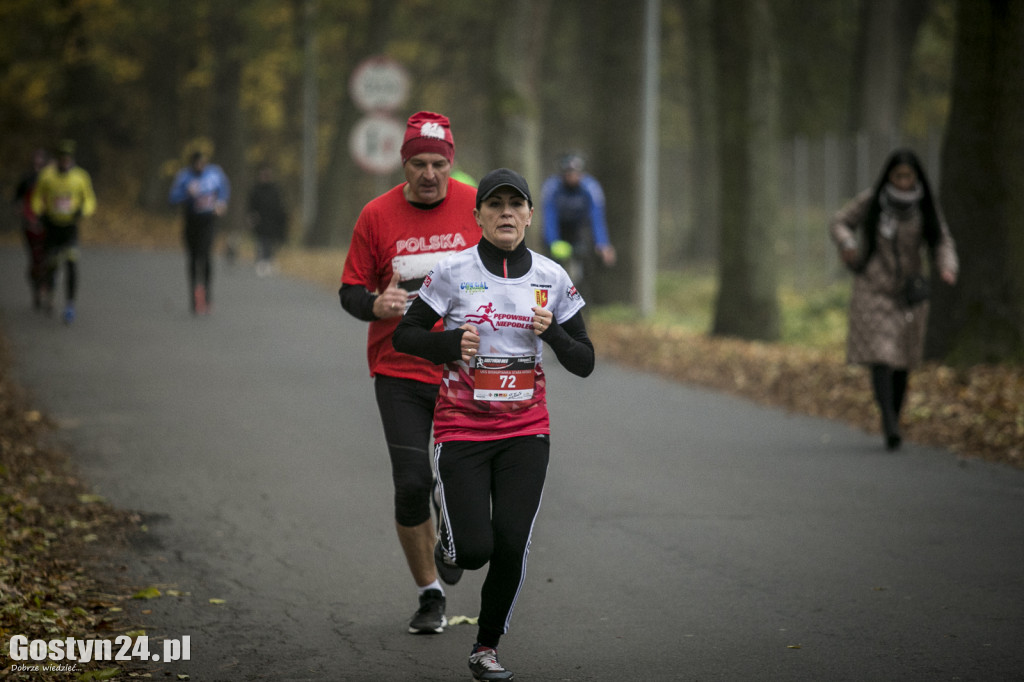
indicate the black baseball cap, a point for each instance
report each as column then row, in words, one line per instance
column 502, row 177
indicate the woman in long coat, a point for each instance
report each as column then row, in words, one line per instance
column 881, row 235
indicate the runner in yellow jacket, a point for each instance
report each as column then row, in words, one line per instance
column 62, row 197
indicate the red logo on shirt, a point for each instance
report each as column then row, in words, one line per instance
column 488, row 310
column 542, row 297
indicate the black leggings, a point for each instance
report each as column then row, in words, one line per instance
column 199, row 233
column 407, row 414
column 61, row 244
column 890, row 388
column 490, row 495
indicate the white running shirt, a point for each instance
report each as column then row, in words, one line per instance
column 503, row 394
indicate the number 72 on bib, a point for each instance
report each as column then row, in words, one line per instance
column 503, row 378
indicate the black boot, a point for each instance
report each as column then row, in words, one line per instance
column 900, row 380
column 883, row 384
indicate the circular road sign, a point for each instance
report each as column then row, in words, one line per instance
column 376, row 143
column 379, row 84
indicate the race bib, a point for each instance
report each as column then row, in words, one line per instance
column 205, row 203
column 502, row 378
column 63, row 205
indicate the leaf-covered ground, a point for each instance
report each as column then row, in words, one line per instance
column 55, row 578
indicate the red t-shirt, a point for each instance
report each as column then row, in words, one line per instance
column 393, row 235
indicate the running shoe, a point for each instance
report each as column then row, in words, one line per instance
column 448, row 572
column 199, row 306
column 69, row 313
column 485, row 667
column 429, row 618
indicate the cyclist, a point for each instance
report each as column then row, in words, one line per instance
column 575, row 230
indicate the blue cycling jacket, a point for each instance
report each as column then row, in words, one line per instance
column 570, row 211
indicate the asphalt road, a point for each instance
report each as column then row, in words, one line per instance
column 684, row 535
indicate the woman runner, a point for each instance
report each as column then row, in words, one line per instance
column 499, row 301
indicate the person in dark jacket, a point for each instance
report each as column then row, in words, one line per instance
column 32, row 228
column 268, row 217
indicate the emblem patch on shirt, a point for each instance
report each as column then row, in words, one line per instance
column 542, row 297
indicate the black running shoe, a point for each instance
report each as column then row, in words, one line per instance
column 429, row 618
column 485, row 667
column 448, row 572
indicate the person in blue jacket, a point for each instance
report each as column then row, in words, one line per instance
column 575, row 230
column 203, row 190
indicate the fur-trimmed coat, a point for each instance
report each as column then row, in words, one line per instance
column 882, row 329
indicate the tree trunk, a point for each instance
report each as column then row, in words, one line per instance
column 163, row 74
column 702, row 242
column 514, row 99
column 343, row 190
column 617, row 138
column 982, row 318
column 747, row 304
column 228, row 125
column 888, row 33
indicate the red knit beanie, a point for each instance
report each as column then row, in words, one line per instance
column 428, row 133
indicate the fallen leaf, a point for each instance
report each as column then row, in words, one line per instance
column 148, row 593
